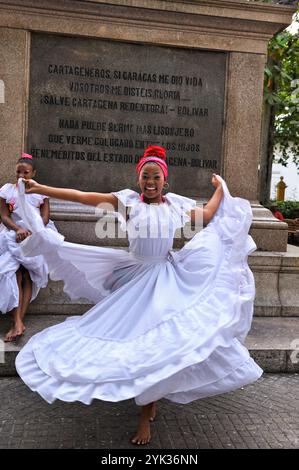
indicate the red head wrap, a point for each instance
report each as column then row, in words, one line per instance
column 156, row 154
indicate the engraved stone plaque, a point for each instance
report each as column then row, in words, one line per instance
column 94, row 106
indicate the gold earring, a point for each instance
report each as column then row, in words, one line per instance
column 166, row 185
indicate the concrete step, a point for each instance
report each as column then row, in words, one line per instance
column 272, row 342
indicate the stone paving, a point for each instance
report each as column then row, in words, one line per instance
column 262, row 415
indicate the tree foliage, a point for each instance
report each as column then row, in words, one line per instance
column 289, row 209
column 281, row 90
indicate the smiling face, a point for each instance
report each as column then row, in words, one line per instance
column 151, row 181
column 25, row 170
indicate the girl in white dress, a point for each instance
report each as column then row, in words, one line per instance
column 166, row 323
column 20, row 277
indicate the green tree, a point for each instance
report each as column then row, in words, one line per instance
column 281, row 92
column 281, row 102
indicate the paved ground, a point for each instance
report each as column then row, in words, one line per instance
column 262, row 415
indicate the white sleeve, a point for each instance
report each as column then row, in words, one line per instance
column 5, row 191
column 127, row 197
column 183, row 203
column 36, row 199
column 42, row 197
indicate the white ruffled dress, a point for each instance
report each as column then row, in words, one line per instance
column 11, row 256
column 166, row 323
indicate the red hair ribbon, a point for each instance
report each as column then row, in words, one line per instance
column 154, row 153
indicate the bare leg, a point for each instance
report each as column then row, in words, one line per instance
column 27, row 293
column 18, row 326
column 143, row 435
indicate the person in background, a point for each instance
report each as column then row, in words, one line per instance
column 276, row 212
column 21, row 277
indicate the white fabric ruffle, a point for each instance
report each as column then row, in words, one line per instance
column 167, row 324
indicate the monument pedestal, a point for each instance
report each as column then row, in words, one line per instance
column 75, row 98
column 276, row 271
column 78, row 223
column 269, row 233
column 64, row 103
column 273, row 339
column 277, row 281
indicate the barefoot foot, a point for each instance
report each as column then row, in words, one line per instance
column 9, row 335
column 19, row 329
column 143, row 435
column 15, row 332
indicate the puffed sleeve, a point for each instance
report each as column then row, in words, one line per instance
column 128, row 198
column 181, row 205
column 42, row 197
column 36, row 199
column 5, row 191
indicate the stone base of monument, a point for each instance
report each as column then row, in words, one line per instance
column 274, row 337
column 272, row 342
column 276, row 278
column 269, row 233
column 277, row 282
column 93, row 226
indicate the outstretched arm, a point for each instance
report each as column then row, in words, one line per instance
column 211, row 207
column 73, row 195
column 213, row 204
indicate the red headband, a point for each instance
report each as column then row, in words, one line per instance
column 155, row 154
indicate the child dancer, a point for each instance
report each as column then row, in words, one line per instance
column 20, row 277
column 166, row 324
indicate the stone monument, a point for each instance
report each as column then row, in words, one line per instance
column 85, row 93
column 86, row 85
